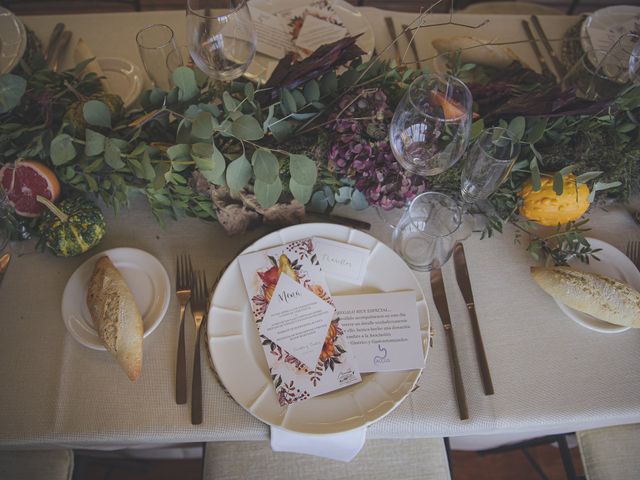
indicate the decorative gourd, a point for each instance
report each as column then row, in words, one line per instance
column 75, row 115
column 72, row 227
column 547, row 208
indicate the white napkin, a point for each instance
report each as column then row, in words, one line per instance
column 339, row 446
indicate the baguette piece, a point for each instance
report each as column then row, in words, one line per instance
column 116, row 316
column 600, row 296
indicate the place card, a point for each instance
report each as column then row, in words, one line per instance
column 302, row 338
column 342, row 260
column 273, row 38
column 383, row 330
column 316, row 32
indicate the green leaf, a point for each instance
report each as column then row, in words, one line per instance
column 249, row 91
column 148, row 172
column 185, row 79
column 112, row 155
column 62, row 149
column 587, row 176
column 230, row 103
column 299, row 98
column 208, row 158
column 301, row 193
column 178, row 152
column 303, row 170
column 247, row 128
column 287, row 102
column 238, row 173
column 97, row 113
column 358, row 200
column 476, row 128
column 536, row 129
column 281, row 129
column 558, row 183
column 319, row 202
column 267, row 194
column 203, row 125
column 535, row 174
column 517, row 127
column 12, row 88
column 599, row 186
column 312, row 91
column 328, row 83
column 265, row 166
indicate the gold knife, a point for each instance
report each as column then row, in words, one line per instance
column 440, row 299
column 462, row 276
column 560, row 70
column 536, row 50
column 392, row 31
column 412, row 43
column 4, row 264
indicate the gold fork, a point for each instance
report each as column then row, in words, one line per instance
column 184, row 282
column 633, row 252
column 199, row 309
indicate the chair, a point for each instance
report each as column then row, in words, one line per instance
column 36, row 464
column 611, row 453
column 511, row 8
column 423, row 459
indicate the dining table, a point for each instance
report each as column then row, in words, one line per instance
column 550, row 374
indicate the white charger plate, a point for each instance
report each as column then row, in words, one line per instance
column 353, row 20
column 613, row 263
column 13, row 40
column 145, row 276
column 238, row 357
column 125, row 79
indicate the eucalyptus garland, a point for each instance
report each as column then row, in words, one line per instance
column 314, row 136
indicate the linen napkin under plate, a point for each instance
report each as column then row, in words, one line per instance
column 338, row 446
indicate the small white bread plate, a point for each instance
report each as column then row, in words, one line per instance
column 125, row 79
column 613, row 263
column 234, row 345
column 13, row 40
column 145, row 276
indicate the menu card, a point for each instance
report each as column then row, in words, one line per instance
column 302, row 337
column 383, row 330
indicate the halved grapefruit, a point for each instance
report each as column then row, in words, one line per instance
column 23, row 181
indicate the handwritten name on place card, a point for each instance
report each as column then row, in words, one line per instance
column 342, row 260
column 383, row 330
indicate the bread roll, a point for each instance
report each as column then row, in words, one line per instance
column 473, row 50
column 602, row 297
column 116, row 316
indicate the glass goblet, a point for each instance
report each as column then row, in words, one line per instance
column 157, row 45
column 487, row 164
column 428, row 230
column 221, row 45
column 430, row 128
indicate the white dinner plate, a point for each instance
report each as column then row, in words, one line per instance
column 239, row 360
column 604, row 27
column 352, row 19
column 145, row 276
column 125, row 79
column 613, row 263
column 13, row 40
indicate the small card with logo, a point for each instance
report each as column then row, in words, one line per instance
column 383, row 330
column 303, row 340
column 342, row 260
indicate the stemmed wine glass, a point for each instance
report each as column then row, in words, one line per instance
column 487, row 164
column 430, row 128
column 221, row 45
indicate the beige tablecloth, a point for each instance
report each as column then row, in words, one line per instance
column 550, row 374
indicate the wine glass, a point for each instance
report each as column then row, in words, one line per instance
column 597, row 75
column 428, row 230
column 222, row 45
column 487, row 164
column 157, row 46
column 431, row 125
